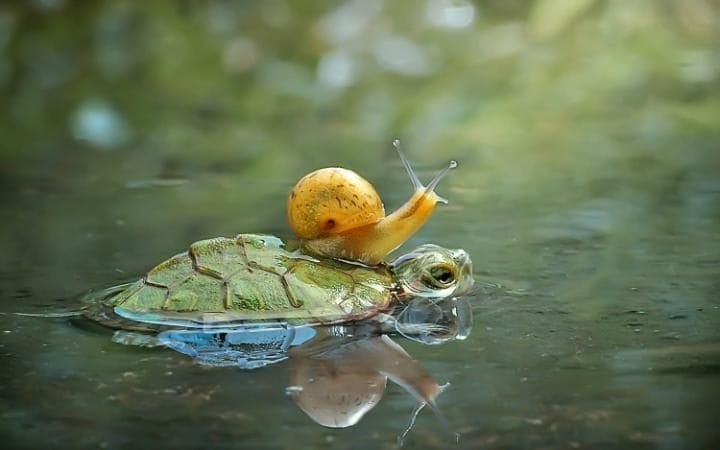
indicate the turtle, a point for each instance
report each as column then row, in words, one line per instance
column 256, row 279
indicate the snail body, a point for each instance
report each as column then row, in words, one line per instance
column 339, row 214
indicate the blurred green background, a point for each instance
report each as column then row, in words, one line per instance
column 179, row 120
column 588, row 191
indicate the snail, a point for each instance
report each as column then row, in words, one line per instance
column 338, row 214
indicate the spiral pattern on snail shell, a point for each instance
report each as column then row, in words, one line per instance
column 330, row 201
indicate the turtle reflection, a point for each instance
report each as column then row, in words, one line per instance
column 338, row 373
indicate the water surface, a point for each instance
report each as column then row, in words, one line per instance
column 587, row 195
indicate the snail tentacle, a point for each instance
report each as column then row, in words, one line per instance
column 433, row 184
column 417, row 184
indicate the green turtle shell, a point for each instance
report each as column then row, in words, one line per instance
column 250, row 278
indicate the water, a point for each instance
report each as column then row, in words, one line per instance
column 587, row 195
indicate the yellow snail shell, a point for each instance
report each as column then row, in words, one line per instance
column 338, row 214
column 332, row 200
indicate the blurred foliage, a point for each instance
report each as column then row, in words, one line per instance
column 207, row 85
column 148, row 124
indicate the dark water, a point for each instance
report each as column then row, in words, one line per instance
column 588, row 196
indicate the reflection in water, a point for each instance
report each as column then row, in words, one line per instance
column 337, row 373
column 248, row 348
column 338, row 385
column 435, row 322
column 336, row 381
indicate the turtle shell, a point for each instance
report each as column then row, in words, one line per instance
column 247, row 278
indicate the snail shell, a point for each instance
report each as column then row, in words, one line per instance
column 330, row 201
column 339, row 214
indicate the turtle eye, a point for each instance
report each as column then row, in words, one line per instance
column 441, row 276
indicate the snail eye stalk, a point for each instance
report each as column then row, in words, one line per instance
column 417, row 184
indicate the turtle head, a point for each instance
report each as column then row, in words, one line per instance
column 432, row 271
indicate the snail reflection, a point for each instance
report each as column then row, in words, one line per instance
column 337, row 373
